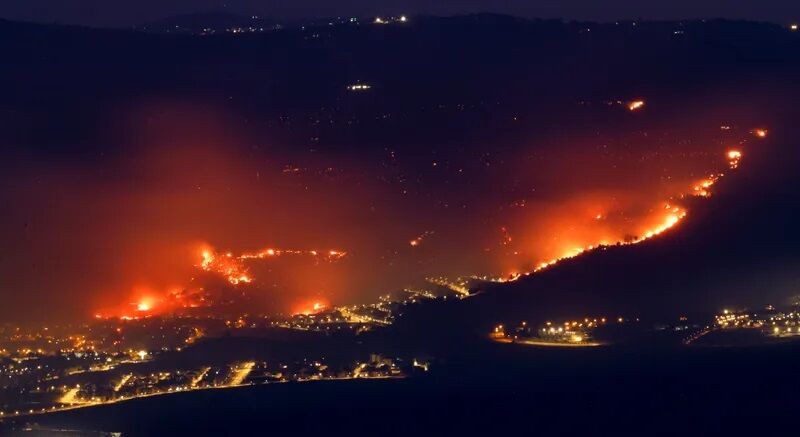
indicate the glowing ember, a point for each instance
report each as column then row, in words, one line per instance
column 702, row 188
column 673, row 216
column 330, row 255
column 635, row 105
column 733, row 158
column 310, row 309
column 235, row 272
column 228, row 266
column 419, row 239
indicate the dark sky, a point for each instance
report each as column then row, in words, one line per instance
column 121, row 13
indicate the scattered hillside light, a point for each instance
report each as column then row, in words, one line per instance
column 142, row 354
column 404, row 19
column 793, row 27
column 359, row 87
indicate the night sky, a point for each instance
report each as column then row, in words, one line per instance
column 123, row 14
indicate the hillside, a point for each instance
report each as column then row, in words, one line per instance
column 735, row 250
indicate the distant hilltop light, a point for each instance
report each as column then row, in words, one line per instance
column 793, row 26
column 359, row 87
column 387, row 20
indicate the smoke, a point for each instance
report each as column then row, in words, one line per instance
column 123, row 232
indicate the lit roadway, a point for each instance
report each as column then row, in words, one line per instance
column 545, row 343
column 76, row 403
column 241, row 373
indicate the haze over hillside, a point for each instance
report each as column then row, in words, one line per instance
column 268, row 110
column 222, row 223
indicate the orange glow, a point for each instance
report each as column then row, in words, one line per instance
column 233, row 269
column 570, row 216
column 592, row 224
column 330, row 255
column 311, row 308
column 761, row 133
column 420, row 238
column 672, row 215
column 702, row 188
column 734, row 156
column 672, row 218
column 635, row 105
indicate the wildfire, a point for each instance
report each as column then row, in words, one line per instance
column 603, row 231
column 734, row 156
column 233, row 269
column 702, row 188
column 229, row 266
column 420, row 238
column 312, row 308
column 672, row 216
column 635, row 105
column 226, row 265
column 329, row 256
